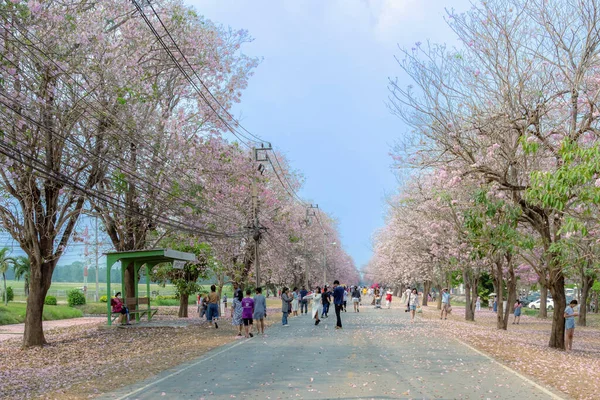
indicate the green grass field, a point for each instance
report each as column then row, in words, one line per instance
column 60, row 289
column 14, row 313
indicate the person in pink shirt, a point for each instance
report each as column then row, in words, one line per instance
column 247, row 312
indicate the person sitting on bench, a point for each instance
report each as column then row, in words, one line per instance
column 118, row 307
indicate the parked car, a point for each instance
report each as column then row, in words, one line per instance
column 529, row 299
column 535, row 305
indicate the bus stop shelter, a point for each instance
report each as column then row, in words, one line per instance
column 140, row 258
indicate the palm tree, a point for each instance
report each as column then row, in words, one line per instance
column 22, row 269
column 5, row 261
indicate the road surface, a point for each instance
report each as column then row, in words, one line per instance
column 377, row 355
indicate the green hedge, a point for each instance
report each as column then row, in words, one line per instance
column 103, row 299
column 50, row 301
column 14, row 313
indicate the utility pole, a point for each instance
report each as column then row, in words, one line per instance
column 256, row 234
column 324, row 258
column 260, row 155
column 97, row 282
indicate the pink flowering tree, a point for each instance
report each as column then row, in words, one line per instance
column 503, row 104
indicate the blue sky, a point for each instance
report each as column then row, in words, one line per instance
column 320, row 93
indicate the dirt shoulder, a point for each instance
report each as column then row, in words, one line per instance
column 524, row 348
column 84, row 361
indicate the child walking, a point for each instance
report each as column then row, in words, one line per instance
column 247, row 312
column 518, row 306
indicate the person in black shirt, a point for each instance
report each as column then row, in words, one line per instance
column 356, row 298
column 303, row 301
column 326, row 301
column 338, row 302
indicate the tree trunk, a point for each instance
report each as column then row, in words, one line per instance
column 475, row 294
column 543, row 300
column 41, row 277
column 183, row 305
column 557, row 288
column 469, row 311
column 439, row 297
column 4, row 295
column 586, row 284
column 426, row 290
column 130, row 285
column 512, row 292
column 499, row 284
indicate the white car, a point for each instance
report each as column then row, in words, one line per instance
column 535, row 305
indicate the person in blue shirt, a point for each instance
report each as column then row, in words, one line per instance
column 570, row 315
column 303, row 301
column 338, row 302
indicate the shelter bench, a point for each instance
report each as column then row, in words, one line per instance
column 140, row 312
column 130, row 302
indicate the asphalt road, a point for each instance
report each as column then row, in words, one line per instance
column 378, row 355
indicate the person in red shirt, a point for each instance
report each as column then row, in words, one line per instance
column 118, row 307
column 388, row 299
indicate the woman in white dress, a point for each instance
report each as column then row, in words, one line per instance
column 317, row 306
column 295, row 302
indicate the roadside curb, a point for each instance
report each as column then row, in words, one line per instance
column 552, row 395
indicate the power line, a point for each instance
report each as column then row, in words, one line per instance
column 258, row 140
column 14, row 154
column 104, row 114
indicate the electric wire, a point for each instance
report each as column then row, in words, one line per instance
column 291, row 191
column 103, row 113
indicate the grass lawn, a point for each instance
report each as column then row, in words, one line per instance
column 14, row 313
column 60, row 289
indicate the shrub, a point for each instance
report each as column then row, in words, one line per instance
column 171, row 297
column 50, row 301
column 75, row 298
column 103, row 299
column 10, row 295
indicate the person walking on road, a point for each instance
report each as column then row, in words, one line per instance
column 338, row 302
column 478, row 304
column 295, row 302
column 356, row 298
column 388, row 298
column 317, row 305
column 325, row 299
column 518, row 306
column 413, row 302
column 248, row 312
column 286, row 299
column 445, row 303
column 213, row 306
column 345, row 304
column 236, row 311
column 260, row 311
column 570, row 315
column 303, row 301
